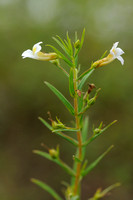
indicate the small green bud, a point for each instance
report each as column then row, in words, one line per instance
column 55, row 62
column 53, row 153
column 69, row 192
column 77, row 44
column 97, row 130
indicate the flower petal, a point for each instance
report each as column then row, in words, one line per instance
column 115, row 44
column 37, row 47
column 27, row 54
column 121, row 59
column 119, row 52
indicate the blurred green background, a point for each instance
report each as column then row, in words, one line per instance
column 24, row 97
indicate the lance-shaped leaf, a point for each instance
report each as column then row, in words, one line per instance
column 94, row 164
column 56, row 160
column 84, row 77
column 61, row 97
column 81, row 43
column 69, row 44
column 74, row 168
column 80, row 101
column 102, row 193
column 82, row 38
column 104, row 54
column 63, row 46
column 61, row 55
column 71, row 84
column 64, row 136
column 66, row 130
column 84, row 134
column 47, row 188
column 98, row 134
column 75, row 198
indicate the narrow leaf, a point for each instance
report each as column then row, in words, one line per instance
column 56, row 160
column 82, row 38
column 81, row 43
column 84, row 77
column 75, row 198
column 66, row 137
column 80, row 102
column 63, row 46
column 61, row 97
column 94, row 164
column 104, row 54
column 71, row 84
column 77, row 159
column 74, row 168
column 70, row 44
column 96, row 135
column 61, row 55
column 76, row 36
column 67, row 130
column 47, row 188
column 84, row 134
column 100, row 194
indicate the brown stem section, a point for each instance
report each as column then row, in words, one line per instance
column 63, row 70
column 77, row 178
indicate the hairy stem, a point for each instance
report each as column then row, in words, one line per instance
column 77, row 120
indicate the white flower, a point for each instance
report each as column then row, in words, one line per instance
column 35, row 53
column 116, row 52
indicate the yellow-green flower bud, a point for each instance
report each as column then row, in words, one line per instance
column 53, row 153
column 77, row 44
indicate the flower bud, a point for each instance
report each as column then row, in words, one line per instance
column 53, row 153
column 77, row 44
column 97, row 130
column 55, row 62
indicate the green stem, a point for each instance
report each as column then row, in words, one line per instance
column 77, row 119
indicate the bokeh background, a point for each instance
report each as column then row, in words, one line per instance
column 24, row 97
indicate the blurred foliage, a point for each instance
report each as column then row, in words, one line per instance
column 24, row 97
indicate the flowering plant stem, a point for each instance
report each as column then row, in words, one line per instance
column 79, row 137
column 82, row 101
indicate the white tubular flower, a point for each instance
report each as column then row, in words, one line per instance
column 35, row 53
column 115, row 52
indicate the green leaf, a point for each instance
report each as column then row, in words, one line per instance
column 81, row 43
column 94, row 164
column 74, row 169
column 66, row 137
column 76, row 36
column 47, row 188
column 77, row 159
column 80, row 102
column 104, row 54
column 74, row 198
column 61, row 97
column 84, row 77
column 82, row 38
column 98, row 134
column 70, row 44
column 63, row 46
column 56, row 160
column 84, row 134
column 101, row 193
column 71, row 84
column 63, row 129
column 61, row 55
